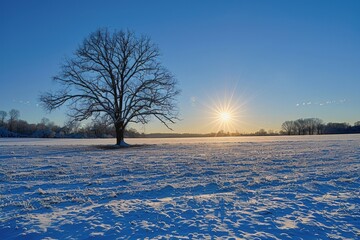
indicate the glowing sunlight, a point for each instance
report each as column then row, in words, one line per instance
column 226, row 114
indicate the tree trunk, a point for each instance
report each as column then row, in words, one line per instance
column 120, row 130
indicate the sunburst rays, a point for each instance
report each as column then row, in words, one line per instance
column 224, row 113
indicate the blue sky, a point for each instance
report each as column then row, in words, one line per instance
column 280, row 60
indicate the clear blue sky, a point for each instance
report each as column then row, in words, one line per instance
column 281, row 60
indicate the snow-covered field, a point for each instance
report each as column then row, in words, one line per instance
column 202, row 188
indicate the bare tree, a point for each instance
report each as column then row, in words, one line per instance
column 303, row 126
column 13, row 118
column 289, row 127
column 3, row 115
column 310, row 125
column 116, row 75
column 300, row 126
column 319, row 125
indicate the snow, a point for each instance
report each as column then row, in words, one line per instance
column 248, row 188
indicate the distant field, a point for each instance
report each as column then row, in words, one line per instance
column 199, row 188
column 111, row 141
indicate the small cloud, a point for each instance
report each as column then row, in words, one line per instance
column 328, row 102
column 23, row 102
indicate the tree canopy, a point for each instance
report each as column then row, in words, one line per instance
column 119, row 76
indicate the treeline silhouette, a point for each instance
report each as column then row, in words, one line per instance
column 12, row 126
column 311, row 126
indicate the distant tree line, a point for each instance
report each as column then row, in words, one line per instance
column 12, row 126
column 311, row 126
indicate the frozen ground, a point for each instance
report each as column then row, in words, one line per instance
column 250, row 188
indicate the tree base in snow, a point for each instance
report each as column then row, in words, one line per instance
column 116, row 146
column 123, row 144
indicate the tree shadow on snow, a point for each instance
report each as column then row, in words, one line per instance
column 115, row 147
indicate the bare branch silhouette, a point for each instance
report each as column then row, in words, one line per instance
column 118, row 75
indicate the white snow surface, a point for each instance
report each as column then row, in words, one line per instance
column 201, row 188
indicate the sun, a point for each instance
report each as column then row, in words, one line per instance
column 224, row 116
column 225, row 112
